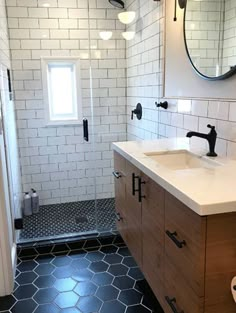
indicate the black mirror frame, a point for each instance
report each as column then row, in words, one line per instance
column 229, row 74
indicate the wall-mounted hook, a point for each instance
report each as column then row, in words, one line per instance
column 138, row 112
column 163, row 105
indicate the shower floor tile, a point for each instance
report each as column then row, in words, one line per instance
column 63, row 219
column 87, row 283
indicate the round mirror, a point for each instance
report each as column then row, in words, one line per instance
column 209, row 32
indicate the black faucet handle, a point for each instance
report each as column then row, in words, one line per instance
column 211, row 127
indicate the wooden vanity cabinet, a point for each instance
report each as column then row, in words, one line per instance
column 153, row 235
column 188, row 260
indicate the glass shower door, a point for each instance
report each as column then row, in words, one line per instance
column 108, row 85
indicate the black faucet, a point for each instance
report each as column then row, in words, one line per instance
column 210, row 137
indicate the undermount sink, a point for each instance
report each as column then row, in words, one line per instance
column 180, row 160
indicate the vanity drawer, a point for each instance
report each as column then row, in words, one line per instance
column 178, row 296
column 185, row 236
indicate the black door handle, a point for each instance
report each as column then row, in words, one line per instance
column 85, row 128
column 133, row 184
column 172, row 236
column 140, row 183
column 116, row 174
column 171, row 303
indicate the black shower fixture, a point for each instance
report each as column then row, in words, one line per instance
column 117, row 3
column 182, row 5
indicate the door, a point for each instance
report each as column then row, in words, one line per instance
column 7, row 245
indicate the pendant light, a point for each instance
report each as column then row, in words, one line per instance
column 105, row 35
column 129, row 35
column 127, row 17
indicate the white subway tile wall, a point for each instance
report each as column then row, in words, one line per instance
column 145, row 63
column 55, row 160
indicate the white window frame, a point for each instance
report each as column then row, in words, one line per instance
column 45, row 61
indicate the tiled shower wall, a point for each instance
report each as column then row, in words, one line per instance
column 55, row 160
column 145, row 60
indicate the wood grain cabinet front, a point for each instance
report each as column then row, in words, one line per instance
column 188, row 260
column 153, row 234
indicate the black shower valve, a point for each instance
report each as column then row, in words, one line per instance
column 138, row 111
column 163, row 105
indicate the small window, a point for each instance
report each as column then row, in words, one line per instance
column 62, row 91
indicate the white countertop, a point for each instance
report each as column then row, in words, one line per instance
column 206, row 191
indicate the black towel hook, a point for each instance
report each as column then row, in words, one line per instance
column 163, row 105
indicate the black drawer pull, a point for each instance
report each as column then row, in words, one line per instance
column 171, row 303
column 117, row 174
column 172, row 236
column 118, row 217
column 140, row 183
column 133, row 184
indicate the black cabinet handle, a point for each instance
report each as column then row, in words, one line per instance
column 117, row 174
column 133, row 184
column 171, row 303
column 172, row 236
column 85, row 129
column 140, row 183
column 118, row 217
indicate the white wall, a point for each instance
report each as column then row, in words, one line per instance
column 183, row 114
column 55, row 160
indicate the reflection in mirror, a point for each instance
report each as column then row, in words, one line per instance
column 210, row 37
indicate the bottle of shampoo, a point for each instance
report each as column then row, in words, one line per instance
column 27, row 204
column 35, row 201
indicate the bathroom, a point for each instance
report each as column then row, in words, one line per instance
column 95, row 95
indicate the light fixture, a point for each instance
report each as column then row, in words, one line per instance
column 117, row 3
column 128, row 35
column 127, row 17
column 106, row 35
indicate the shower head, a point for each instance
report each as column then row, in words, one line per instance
column 117, row 3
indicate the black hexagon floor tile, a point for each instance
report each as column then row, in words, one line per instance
column 103, row 279
column 44, row 258
column 65, row 284
column 98, row 267
column 67, row 299
column 46, row 295
column 26, row 278
column 113, row 306
column 80, row 263
column 123, row 282
column 82, row 275
column 118, row 270
column 95, row 256
column 107, row 293
column 85, row 289
column 45, row 281
column 113, row 258
column 44, row 269
column 64, row 272
column 26, row 306
column 27, row 266
column 130, row 297
column 25, row 292
column 61, row 261
column 47, row 308
column 89, row 304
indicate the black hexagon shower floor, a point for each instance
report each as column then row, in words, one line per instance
column 96, row 278
column 69, row 218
